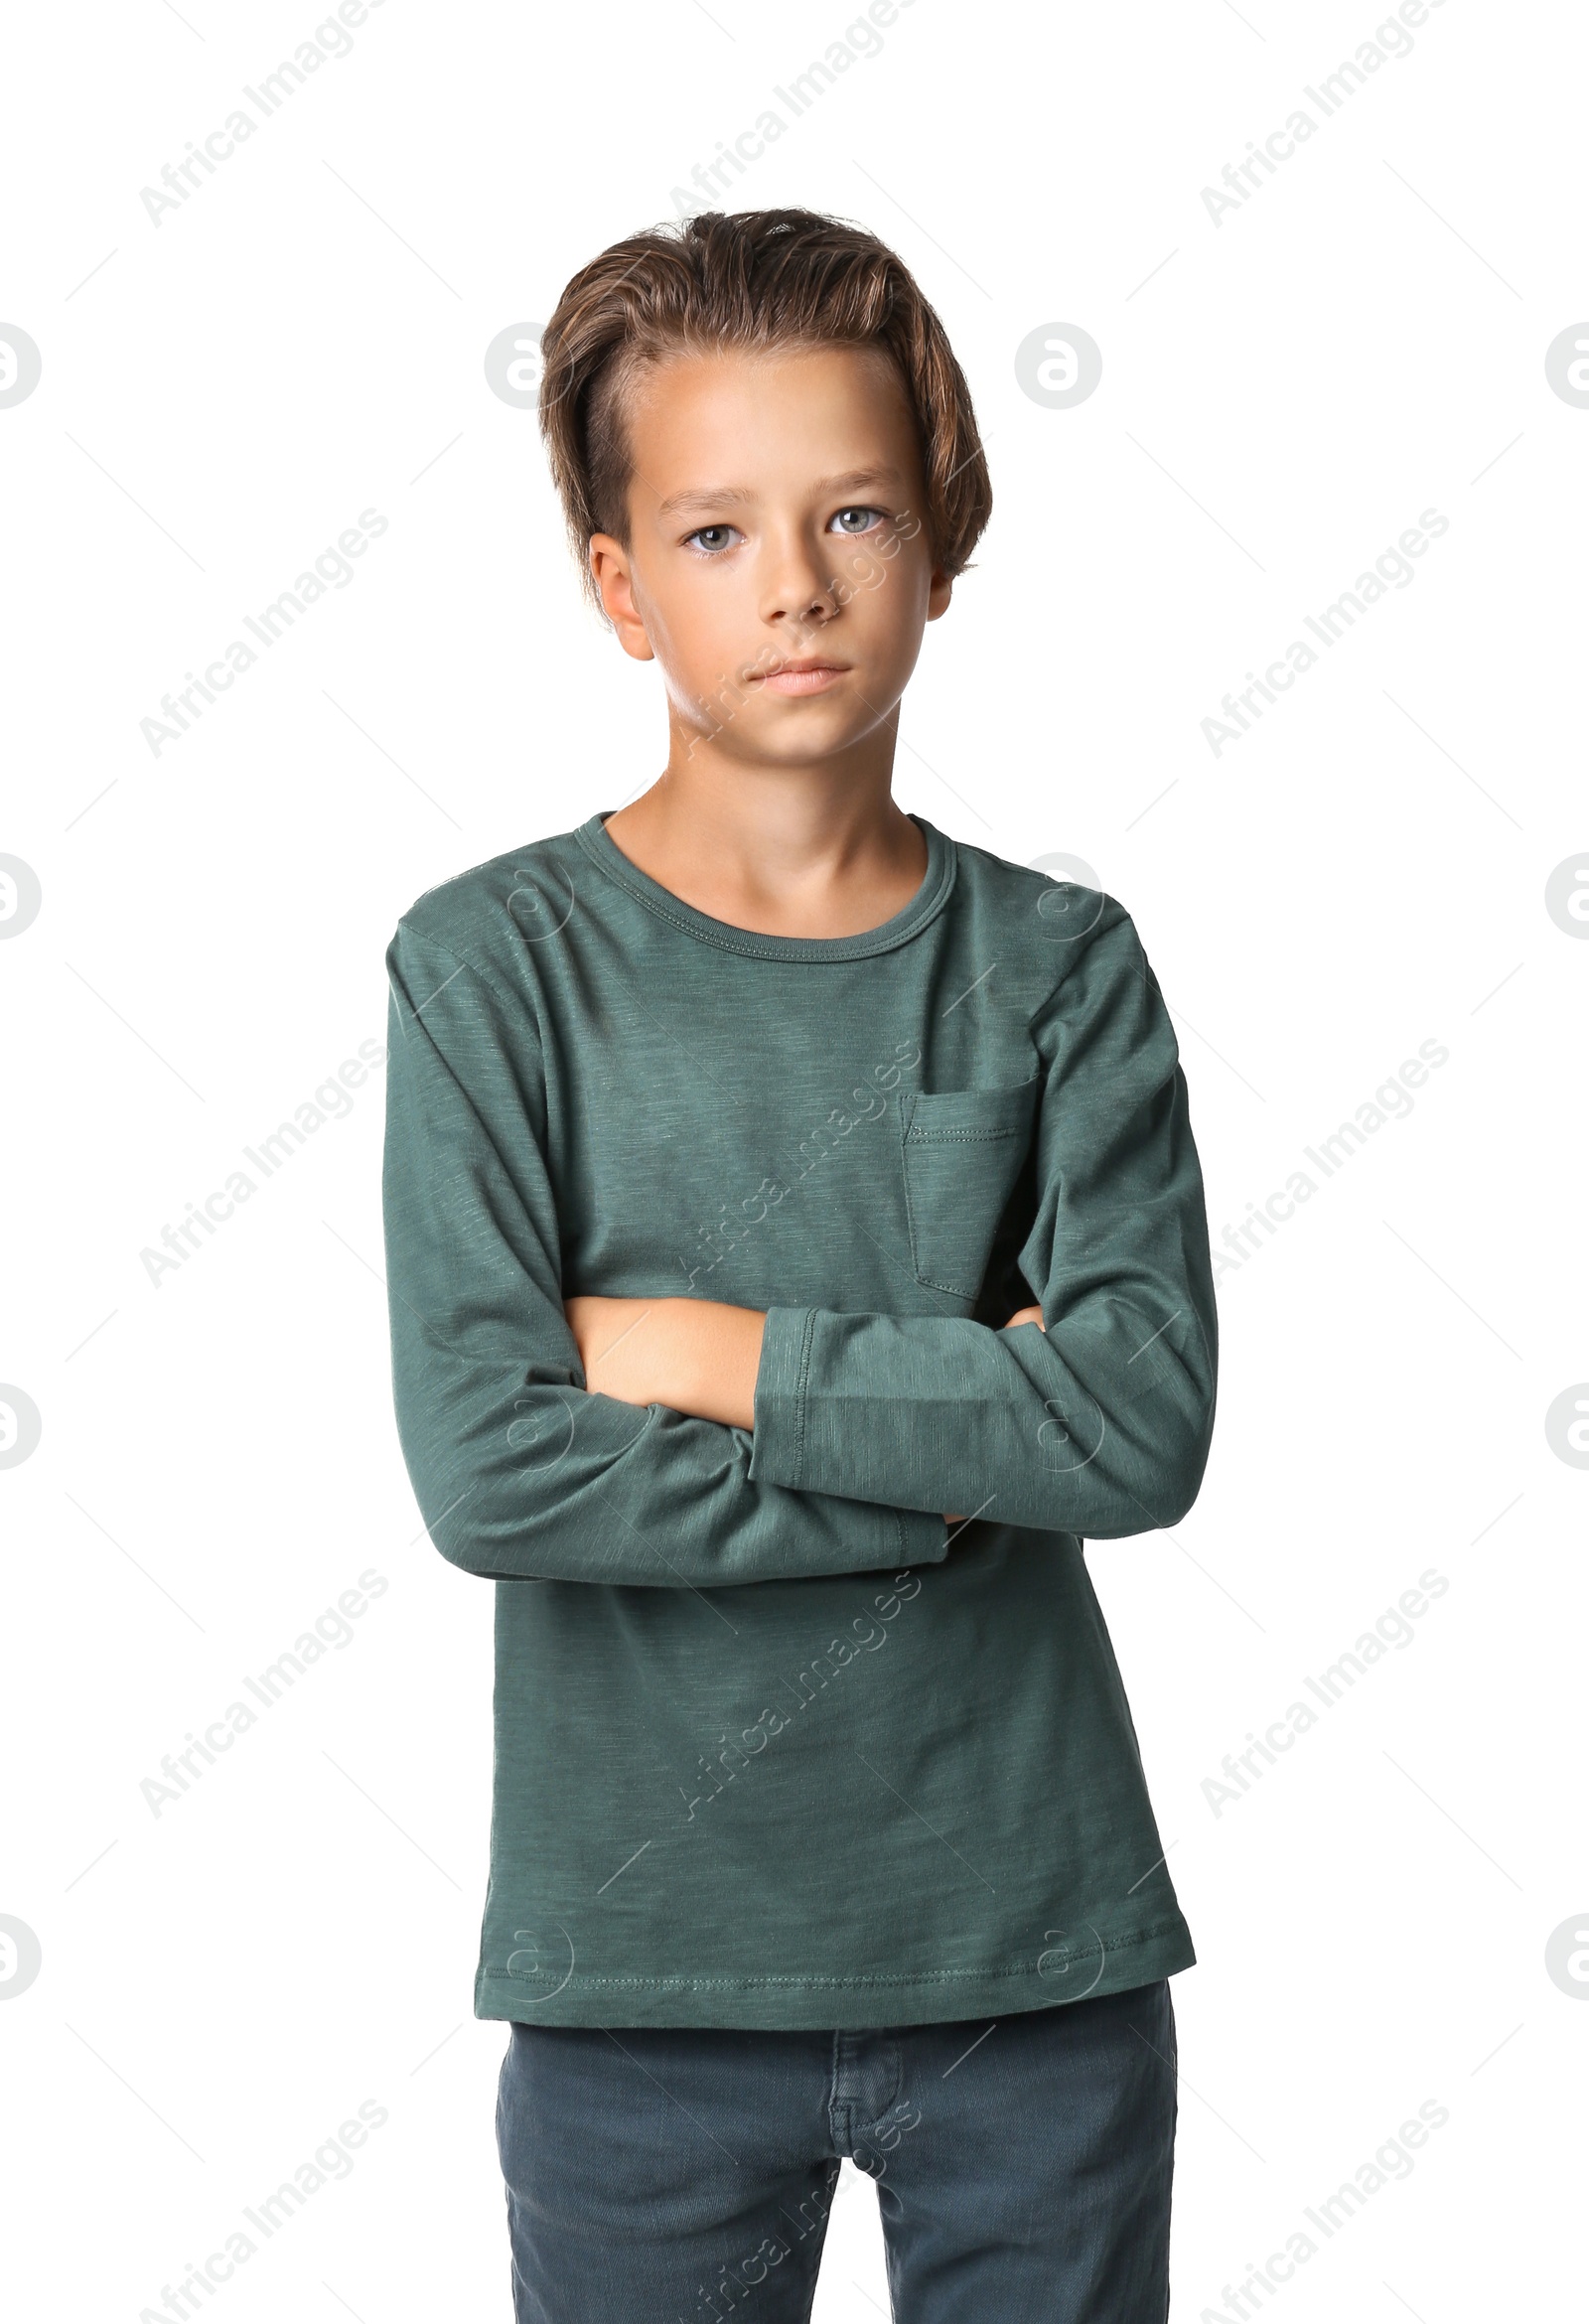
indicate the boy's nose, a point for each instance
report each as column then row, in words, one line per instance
column 798, row 586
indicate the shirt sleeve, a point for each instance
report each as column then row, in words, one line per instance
column 1096, row 1426
column 520, row 1470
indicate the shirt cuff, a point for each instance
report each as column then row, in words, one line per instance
column 778, row 1439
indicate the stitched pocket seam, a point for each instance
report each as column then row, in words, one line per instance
column 924, row 1137
column 933, row 1138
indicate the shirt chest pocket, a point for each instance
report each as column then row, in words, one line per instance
column 960, row 1152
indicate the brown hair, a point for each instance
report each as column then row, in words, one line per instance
column 753, row 278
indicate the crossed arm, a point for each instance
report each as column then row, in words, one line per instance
column 735, row 1446
column 696, row 1355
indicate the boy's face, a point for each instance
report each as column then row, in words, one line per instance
column 776, row 518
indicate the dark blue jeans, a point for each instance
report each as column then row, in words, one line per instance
column 662, row 2176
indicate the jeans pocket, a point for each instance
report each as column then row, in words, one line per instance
column 961, row 1152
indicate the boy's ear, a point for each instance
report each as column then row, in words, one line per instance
column 939, row 592
column 609, row 562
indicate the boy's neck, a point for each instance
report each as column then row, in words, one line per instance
column 782, row 851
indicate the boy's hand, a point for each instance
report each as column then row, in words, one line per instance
column 1022, row 1315
column 696, row 1355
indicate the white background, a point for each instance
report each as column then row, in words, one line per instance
column 1283, row 393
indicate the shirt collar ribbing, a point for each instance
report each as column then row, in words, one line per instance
column 924, row 905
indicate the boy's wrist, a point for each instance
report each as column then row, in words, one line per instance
column 696, row 1355
column 714, row 1352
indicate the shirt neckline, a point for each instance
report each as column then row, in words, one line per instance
column 924, row 905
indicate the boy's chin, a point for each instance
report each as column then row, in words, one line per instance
column 796, row 742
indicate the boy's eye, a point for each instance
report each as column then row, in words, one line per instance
column 712, row 538
column 842, row 521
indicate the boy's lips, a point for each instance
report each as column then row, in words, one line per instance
column 812, row 675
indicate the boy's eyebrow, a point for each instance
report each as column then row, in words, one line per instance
column 713, row 495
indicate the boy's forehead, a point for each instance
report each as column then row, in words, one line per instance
column 729, row 419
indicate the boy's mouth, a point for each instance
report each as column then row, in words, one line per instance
column 813, row 675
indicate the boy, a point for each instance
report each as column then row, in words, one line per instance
column 726, row 1131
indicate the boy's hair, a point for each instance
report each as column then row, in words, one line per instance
column 752, row 280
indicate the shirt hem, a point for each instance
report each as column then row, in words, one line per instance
column 796, row 2004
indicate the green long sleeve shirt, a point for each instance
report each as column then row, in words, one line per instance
column 775, row 1746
